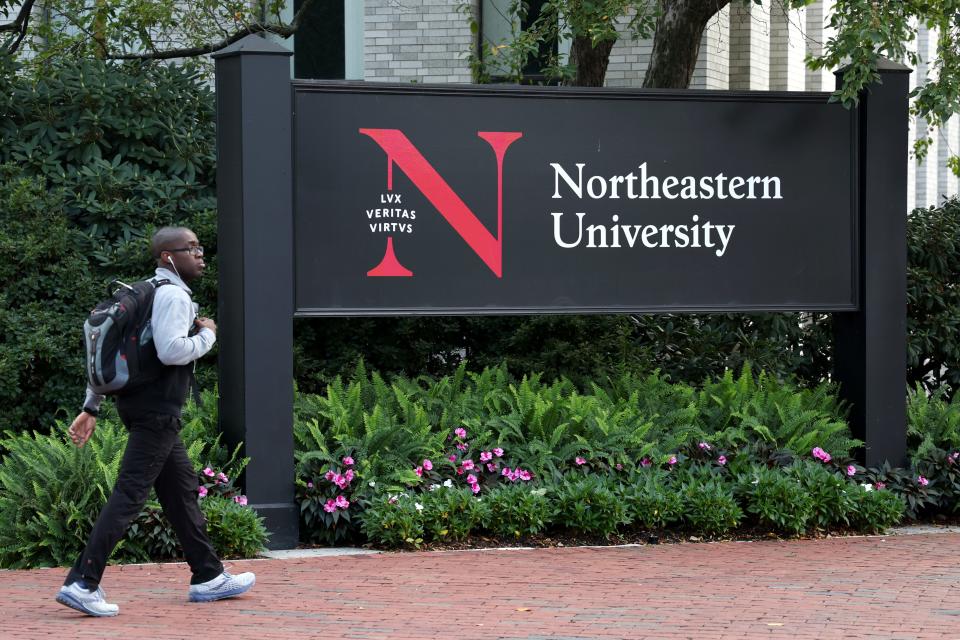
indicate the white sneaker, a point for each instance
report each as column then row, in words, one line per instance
column 223, row 586
column 92, row 603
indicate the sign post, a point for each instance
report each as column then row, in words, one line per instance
column 870, row 344
column 255, row 301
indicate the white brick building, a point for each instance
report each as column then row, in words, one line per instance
column 745, row 47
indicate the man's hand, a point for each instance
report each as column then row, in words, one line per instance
column 206, row 323
column 82, row 428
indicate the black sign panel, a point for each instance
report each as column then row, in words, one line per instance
column 435, row 200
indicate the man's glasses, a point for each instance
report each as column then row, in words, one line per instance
column 194, row 251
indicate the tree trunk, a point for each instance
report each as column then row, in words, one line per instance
column 591, row 62
column 676, row 42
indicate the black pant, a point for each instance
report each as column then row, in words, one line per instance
column 154, row 457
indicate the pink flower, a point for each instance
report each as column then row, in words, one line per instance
column 310, row 485
column 419, row 472
column 851, row 470
column 672, row 461
column 645, row 462
column 461, row 432
column 461, row 446
column 879, row 485
column 452, row 458
column 505, row 471
column 619, row 467
column 468, row 465
column 579, row 460
column 498, row 452
column 820, row 454
column 491, row 467
column 524, row 475
column 240, row 500
column 722, row 460
column 427, row 464
column 486, row 456
column 202, row 491
column 340, row 481
column 471, row 479
column 348, row 461
column 475, row 488
column 348, row 476
column 329, row 475
column 704, row 446
column 330, row 507
column 222, row 477
column 459, row 471
column 923, row 481
column 209, row 472
column 392, row 500
column 342, row 502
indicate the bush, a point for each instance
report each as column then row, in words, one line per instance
column 93, row 157
column 833, row 497
column 451, row 514
column 590, row 505
column 518, row 510
column 877, row 511
column 933, row 422
column 709, row 507
column 52, row 491
column 393, row 521
column 236, row 531
column 776, row 499
column 650, row 502
column 933, row 297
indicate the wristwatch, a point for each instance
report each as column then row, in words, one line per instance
column 93, row 412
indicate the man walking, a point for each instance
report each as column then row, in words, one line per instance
column 155, row 455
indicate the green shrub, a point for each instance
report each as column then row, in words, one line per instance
column 452, row 514
column 933, row 297
column 933, row 422
column 51, row 492
column 709, row 507
column 833, row 497
column 589, row 504
column 776, row 499
column 516, row 510
column 650, row 502
column 236, row 531
column 93, row 157
column 393, row 521
column 876, row 511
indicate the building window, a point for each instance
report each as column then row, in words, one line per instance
column 318, row 50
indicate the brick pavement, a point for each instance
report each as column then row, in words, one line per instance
column 893, row 587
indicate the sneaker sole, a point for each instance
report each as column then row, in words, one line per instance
column 220, row 596
column 69, row 601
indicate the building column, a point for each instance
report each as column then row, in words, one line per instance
column 750, row 46
column 787, row 48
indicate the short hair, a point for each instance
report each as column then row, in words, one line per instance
column 166, row 238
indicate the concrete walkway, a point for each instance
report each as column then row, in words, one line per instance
column 890, row 587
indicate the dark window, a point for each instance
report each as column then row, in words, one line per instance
column 533, row 70
column 319, row 43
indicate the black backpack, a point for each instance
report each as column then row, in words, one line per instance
column 120, row 354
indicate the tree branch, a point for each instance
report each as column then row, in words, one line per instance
column 284, row 31
column 19, row 25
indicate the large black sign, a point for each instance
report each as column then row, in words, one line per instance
column 434, row 201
